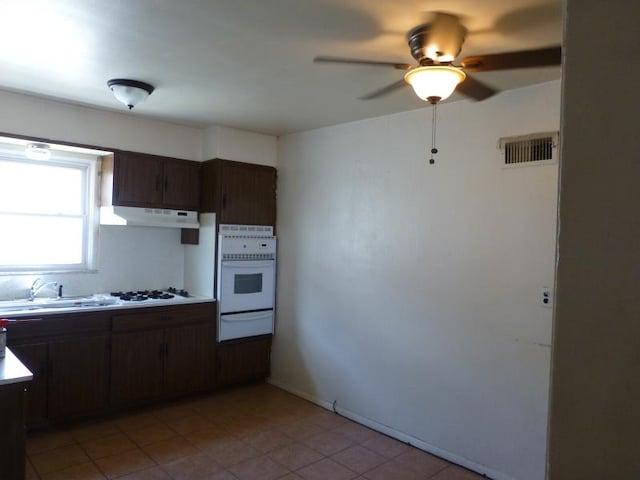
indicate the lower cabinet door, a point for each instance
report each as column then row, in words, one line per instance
column 78, row 377
column 243, row 360
column 136, row 367
column 34, row 357
column 189, row 359
column 12, row 432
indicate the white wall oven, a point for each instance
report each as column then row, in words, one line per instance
column 246, row 274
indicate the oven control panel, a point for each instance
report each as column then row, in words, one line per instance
column 236, row 247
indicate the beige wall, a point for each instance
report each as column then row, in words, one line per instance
column 409, row 293
column 240, row 146
column 595, row 400
column 44, row 118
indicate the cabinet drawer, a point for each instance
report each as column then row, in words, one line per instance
column 160, row 317
column 28, row 330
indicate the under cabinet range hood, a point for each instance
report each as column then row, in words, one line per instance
column 148, row 217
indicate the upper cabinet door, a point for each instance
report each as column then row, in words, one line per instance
column 239, row 193
column 181, row 184
column 142, row 180
column 138, row 180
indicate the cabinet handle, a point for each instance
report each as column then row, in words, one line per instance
column 166, row 349
column 166, row 184
column 161, row 351
column 224, row 200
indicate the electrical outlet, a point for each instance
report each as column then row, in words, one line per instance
column 547, row 297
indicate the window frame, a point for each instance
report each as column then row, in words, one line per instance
column 88, row 162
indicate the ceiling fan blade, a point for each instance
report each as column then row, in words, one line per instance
column 384, row 90
column 355, row 61
column 475, row 89
column 542, row 57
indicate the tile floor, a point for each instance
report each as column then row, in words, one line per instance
column 250, row 433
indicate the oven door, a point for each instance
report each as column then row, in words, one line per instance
column 241, row 325
column 246, row 285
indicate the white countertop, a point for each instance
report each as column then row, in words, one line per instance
column 12, row 370
column 118, row 305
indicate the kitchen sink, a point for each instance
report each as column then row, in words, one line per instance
column 22, row 305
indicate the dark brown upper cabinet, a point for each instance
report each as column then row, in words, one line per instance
column 239, row 193
column 142, row 180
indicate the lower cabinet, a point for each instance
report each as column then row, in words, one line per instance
column 12, row 431
column 136, row 366
column 34, row 357
column 92, row 363
column 78, row 382
column 189, row 359
column 68, row 355
column 162, row 354
column 243, row 360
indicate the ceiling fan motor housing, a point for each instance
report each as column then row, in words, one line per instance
column 437, row 42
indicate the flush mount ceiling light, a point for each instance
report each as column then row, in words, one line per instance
column 434, row 83
column 130, row 92
column 38, row 151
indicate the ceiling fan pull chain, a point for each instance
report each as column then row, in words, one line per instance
column 434, row 150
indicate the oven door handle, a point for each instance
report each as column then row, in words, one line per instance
column 246, row 317
column 247, row 264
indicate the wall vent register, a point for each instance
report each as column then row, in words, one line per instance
column 532, row 149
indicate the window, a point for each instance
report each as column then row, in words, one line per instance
column 47, row 211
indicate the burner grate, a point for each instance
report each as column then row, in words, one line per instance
column 142, row 295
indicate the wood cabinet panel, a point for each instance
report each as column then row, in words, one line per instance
column 78, row 377
column 34, row 357
column 138, row 180
column 162, row 352
column 136, row 367
column 12, row 432
column 152, row 181
column 161, row 317
column 189, row 359
column 181, row 184
column 248, row 194
column 239, row 193
column 243, row 360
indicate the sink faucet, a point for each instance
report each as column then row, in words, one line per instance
column 37, row 285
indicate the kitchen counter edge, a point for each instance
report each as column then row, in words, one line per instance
column 99, row 308
column 13, row 370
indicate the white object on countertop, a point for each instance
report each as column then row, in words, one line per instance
column 12, row 370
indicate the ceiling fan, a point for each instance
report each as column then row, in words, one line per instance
column 435, row 45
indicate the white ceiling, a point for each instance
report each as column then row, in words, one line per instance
column 248, row 63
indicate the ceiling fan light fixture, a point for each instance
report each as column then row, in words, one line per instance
column 434, row 83
column 130, row 92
